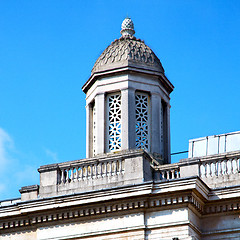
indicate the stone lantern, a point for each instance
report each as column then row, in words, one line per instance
column 127, row 99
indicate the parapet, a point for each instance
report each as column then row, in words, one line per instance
column 216, row 144
column 101, row 172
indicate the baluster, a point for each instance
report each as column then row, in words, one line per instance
column 231, row 166
column 87, row 171
column 216, row 168
column 223, row 167
column 72, row 177
column 209, row 169
column 205, row 169
column 92, row 170
column 178, row 173
column 111, row 168
column 212, row 168
column 84, row 171
column 226, row 167
column 115, row 169
column 220, row 168
column 82, row 174
column 173, row 174
column 106, row 170
column 77, row 173
column 236, row 165
column 62, row 175
column 96, row 170
column 67, row 176
column 167, row 174
column 103, row 169
column 120, row 166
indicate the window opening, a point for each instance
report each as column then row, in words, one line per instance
column 114, row 122
column 142, row 121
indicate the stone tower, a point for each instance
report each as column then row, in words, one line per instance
column 127, row 99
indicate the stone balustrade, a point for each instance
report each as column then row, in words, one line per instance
column 85, row 171
column 215, row 170
column 100, row 172
column 166, row 172
column 130, row 167
column 219, row 167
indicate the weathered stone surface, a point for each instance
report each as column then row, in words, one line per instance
column 127, row 51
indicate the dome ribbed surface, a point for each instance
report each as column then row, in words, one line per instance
column 127, row 51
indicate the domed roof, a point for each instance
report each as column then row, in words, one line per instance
column 127, row 51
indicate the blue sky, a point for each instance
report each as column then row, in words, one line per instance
column 47, row 50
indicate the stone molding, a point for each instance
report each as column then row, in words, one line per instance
column 129, row 69
column 85, row 211
column 99, row 158
column 141, row 197
column 28, row 189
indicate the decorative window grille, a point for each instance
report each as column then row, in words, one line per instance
column 142, row 121
column 114, row 129
column 94, row 130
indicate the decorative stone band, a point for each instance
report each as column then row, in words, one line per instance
column 100, row 209
column 222, row 207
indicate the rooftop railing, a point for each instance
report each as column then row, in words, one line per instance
column 223, row 169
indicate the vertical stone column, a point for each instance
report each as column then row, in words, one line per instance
column 168, row 134
column 88, row 143
column 155, row 122
column 128, row 118
column 165, row 131
column 100, row 124
column 161, row 131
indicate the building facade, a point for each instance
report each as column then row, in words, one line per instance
column 127, row 188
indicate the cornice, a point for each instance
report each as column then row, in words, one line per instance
column 123, row 69
column 149, row 196
column 99, row 158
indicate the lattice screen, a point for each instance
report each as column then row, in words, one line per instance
column 94, row 119
column 142, row 121
column 114, row 122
